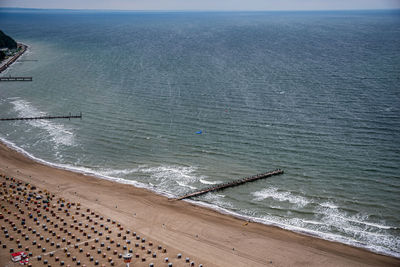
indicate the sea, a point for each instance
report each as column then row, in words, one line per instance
column 179, row 101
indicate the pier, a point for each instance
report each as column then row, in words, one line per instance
column 231, row 184
column 44, row 118
column 15, row 79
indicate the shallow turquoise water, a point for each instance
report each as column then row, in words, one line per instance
column 316, row 94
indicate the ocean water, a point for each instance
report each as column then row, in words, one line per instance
column 314, row 93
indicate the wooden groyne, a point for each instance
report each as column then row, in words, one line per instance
column 231, row 184
column 15, row 79
column 15, row 57
column 43, row 118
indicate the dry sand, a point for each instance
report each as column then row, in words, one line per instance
column 203, row 235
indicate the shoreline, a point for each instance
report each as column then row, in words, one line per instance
column 212, row 207
column 216, row 239
column 14, row 58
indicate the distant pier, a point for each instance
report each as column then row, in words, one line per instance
column 231, row 184
column 43, row 118
column 15, row 79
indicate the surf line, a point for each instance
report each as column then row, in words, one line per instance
column 231, row 184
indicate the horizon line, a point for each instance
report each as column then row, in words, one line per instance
column 204, row 10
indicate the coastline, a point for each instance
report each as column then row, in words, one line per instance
column 215, row 239
column 14, row 58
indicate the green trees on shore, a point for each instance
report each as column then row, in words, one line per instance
column 6, row 41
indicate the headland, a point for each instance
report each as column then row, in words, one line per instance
column 10, row 51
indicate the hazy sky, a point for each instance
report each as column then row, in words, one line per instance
column 205, row 4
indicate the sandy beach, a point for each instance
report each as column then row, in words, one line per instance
column 205, row 236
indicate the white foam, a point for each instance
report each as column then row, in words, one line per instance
column 355, row 230
column 329, row 205
column 370, row 234
column 165, row 175
column 282, row 196
column 352, row 220
column 169, row 170
column 79, row 169
column 112, row 172
column 186, row 185
column 313, row 222
column 107, row 174
column 332, row 210
column 374, row 224
column 282, row 223
column 58, row 133
column 366, row 241
column 209, row 182
column 168, row 176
